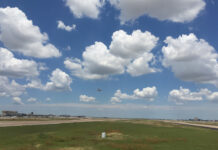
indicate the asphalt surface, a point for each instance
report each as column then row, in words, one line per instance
column 195, row 125
column 47, row 122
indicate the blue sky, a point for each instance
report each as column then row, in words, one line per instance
column 151, row 58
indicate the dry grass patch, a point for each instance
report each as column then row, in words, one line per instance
column 77, row 148
column 156, row 140
column 152, row 122
column 141, row 146
column 114, row 135
column 38, row 145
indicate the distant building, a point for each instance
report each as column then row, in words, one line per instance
column 196, row 119
column 9, row 113
column 81, row 116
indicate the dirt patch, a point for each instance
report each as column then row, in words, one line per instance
column 114, row 135
column 151, row 122
column 156, row 140
column 130, row 146
column 38, row 145
column 77, row 148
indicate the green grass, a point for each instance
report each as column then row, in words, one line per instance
column 121, row 136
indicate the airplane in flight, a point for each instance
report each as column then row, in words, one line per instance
column 99, row 90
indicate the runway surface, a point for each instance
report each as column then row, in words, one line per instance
column 193, row 124
column 44, row 122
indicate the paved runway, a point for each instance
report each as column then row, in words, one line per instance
column 192, row 124
column 47, row 122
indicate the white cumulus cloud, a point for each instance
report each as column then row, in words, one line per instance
column 133, row 45
column 85, row 98
column 173, row 10
column 19, row 34
column 191, row 59
column 59, row 81
column 31, row 100
column 35, row 83
column 115, row 100
column 85, row 8
column 185, row 95
column 62, row 26
column 99, row 60
column 118, row 94
column 17, row 100
column 148, row 93
column 98, row 63
column 10, row 88
column 141, row 66
column 48, row 99
column 127, row 53
column 13, row 67
column 212, row 96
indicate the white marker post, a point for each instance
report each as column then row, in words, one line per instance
column 103, row 135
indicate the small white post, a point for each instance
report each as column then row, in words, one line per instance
column 103, row 135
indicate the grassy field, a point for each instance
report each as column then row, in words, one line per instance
column 121, row 135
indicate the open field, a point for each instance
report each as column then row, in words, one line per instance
column 121, row 135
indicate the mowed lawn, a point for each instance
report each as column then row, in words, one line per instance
column 121, row 135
